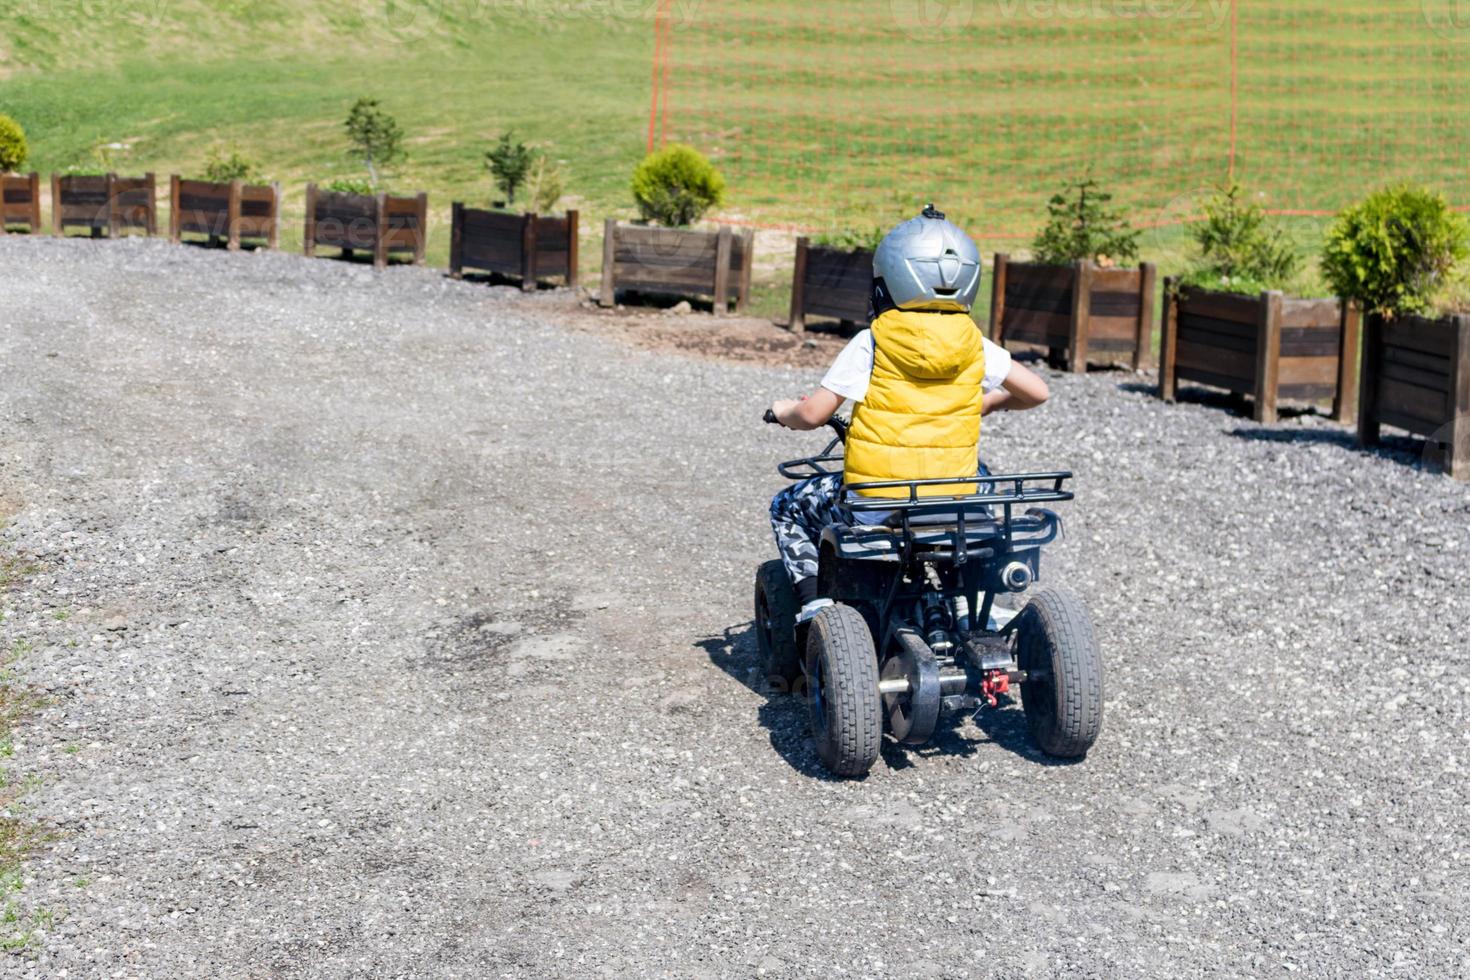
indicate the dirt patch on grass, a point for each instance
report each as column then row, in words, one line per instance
column 743, row 339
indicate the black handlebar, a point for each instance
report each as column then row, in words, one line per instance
column 836, row 423
column 820, row 464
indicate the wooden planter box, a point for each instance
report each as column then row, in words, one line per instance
column 1416, row 376
column 377, row 223
column 1079, row 310
column 107, row 203
column 525, row 245
column 229, row 211
column 1268, row 346
column 20, row 201
column 677, row 262
column 830, row 282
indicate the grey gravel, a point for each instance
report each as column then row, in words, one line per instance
column 388, row 627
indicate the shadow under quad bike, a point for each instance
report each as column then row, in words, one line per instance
column 914, row 632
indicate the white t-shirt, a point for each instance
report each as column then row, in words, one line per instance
column 851, row 373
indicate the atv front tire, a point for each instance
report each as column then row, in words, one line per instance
column 842, row 691
column 1063, row 693
column 776, row 607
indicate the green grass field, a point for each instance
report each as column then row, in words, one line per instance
column 817, row 126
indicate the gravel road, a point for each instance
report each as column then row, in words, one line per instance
column 395, row 626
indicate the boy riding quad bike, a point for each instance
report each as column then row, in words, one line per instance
column 883, row 600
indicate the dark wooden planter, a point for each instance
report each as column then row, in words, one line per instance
column 830, row 282
column 20, row 201
column 378, row 223
column 1268, row 346
column 525, row 245
column 678, row 262
column 1079, row 311
column 229, row 211
column 101, row 204
column 1416, row 376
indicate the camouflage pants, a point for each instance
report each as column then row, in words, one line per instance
column 798, row 515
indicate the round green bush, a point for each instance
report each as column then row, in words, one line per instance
column 1396, row 250
column 676, row 186
column 13, row 146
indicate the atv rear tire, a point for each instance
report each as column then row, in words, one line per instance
column 776, row 607
column 1063, row 695
column 842, row 691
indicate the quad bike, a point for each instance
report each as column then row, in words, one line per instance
column 914, row 632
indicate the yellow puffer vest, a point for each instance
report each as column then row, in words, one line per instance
column 921, row 417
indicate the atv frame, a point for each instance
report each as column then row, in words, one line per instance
column 900, row 644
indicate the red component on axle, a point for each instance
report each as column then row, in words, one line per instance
column 995, row 683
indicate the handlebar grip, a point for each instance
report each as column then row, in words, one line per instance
column 770, row 418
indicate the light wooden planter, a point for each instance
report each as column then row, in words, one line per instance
column 109, row 204
column 830, row 282
column 1081, row 311
column 1268, row 346
column 526, row 245
column 1416, row 376
column 20, row 201
column 231, row 211
column 678, row 262
column 378, row 223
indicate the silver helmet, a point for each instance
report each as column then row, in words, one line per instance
column 927, row 263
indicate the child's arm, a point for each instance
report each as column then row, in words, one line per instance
column 804, row 414
column 1023, row 388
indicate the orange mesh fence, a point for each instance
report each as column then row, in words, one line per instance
column 830, row 114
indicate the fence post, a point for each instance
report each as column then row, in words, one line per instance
column 380, row 238
column 573, row 251
column 1457, row 450
column 150, row 185
column 1144, row 348
column 998, row 298
column 1368, row 425
column 110, row 190
column 1169, row 342
column 456, row 240
column 1081, row 326
column 308, row 245
column 35, row 203
column 528, row 252
column 747, row 263
column 273, row 238
column 722, row 269
column 57, row 228
column 232, row 216
column 797, row 322
column 1350, row 328
column 174, row 233
column 607, row 294
column 1268, row 356
column 421, row 241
